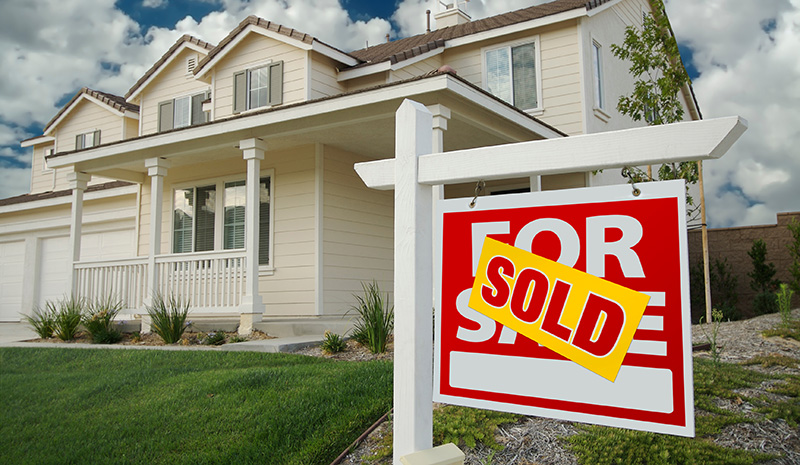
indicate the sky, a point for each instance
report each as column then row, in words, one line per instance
column 743, row 57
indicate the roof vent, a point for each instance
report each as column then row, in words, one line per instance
column 451, row 14
column 191, row 64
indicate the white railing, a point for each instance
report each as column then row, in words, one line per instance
column 204, row 279
column 124, row 280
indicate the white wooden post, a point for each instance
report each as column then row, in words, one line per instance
column 252, row 307
column 77, row 182
column 157, row 170
column 413, row 291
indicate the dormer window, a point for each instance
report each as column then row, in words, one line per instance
column 181, row 112
column 258, row 87
column 86, row 140
column 512, row 74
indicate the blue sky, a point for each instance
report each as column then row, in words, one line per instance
column 743, row 61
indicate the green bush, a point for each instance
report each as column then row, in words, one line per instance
column 375, row 318
column 468, row 426
column 215, row 338
column 333, row 343
column 794, row 252
column 784, row 302
column 68, row 318
column 43, row 320
column 723, row 290
column 765, row 302
column 168, row 318
column 99, row 321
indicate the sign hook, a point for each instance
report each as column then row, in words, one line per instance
column 479, row 187
column 627, row 172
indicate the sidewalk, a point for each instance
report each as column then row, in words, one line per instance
column 14, row 335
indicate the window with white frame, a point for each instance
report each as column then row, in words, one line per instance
column 511, row 74
column 45, row 154
column 86, row 140
column 182, row 111
column 258, row 87
column 196, row 226
column 597, row 75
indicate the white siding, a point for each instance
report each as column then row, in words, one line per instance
column 323, row 77
column 358, row 241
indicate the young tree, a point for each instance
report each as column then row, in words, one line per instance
column 794, row 251
column 762, row 279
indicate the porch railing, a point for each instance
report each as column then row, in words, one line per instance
column 204, row 279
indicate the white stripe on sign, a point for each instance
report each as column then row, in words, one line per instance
column 648, row 347
column 657, row 299
column 654, row 322
column 640, row 388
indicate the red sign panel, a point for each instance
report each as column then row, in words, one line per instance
column 638, row 242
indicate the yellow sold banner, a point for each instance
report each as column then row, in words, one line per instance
column 586, row 319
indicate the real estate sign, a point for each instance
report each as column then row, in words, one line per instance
column 570, row 304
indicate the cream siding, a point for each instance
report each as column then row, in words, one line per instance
column 365, row 82
column 42, row 180
column 253, row 51
column 131, row 128
column 86, row 117
column 323, row 77
column 171, row 82
column 417, row 69
column 358, row 233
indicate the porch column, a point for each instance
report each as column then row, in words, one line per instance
column 441, row 115
column 157, row 170
column 77, row 182
column 252, row 307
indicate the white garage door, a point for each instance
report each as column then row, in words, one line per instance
column 12, row 258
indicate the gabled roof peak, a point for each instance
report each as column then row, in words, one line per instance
column 114, row 101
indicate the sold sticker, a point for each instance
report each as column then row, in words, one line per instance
column 586, row 319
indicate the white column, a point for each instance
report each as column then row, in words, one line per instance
column 157, row 170
column 77, row 182
column 252, row 307
column 413, row 291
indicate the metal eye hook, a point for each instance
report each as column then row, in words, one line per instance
column 479, row 186
column 626, row 173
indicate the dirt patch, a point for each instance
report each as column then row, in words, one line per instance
column 189, row 338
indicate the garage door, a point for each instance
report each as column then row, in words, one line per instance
column 12, row 258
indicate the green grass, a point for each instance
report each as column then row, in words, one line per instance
column 157, row 407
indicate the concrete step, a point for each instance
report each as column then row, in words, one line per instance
column 289, row 327
column 279, row 345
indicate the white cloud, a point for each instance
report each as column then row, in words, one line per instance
column 747, row 56
column 154, row 3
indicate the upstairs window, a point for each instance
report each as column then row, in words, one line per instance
column 597, row 75
column 196, row 227
column 86, row 140
column 182, row 112
column 258, row 87
column 511, row 75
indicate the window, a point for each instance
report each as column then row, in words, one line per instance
column 511, row 75
column 196, row 227
column 89, row 139
column 258, row 87
column 597, row 72
column 182, row 112
column 47, row 153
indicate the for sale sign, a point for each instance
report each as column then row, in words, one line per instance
column 568, row 304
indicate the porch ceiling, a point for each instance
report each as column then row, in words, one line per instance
column 361, row 123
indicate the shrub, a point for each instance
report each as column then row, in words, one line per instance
column 333, row 343
column 43, row 320
column 764, row 303
column 375, row 318
column 794, row 252
column 68, row 317
column 99, row 321
column 723, row 290
column 168, row 318
column 784, row 302
column 762, row 279
column 215, row 338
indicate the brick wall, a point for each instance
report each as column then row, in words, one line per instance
column 734, row 243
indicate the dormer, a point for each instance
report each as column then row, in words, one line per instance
column 168, row 94
column 262, row 65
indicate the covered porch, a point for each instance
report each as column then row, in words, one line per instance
column 318, row 233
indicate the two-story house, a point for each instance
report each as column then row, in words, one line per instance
column 152, row 192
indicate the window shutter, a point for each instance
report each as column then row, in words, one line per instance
column 79, row 142
column 197, row 109
column 96, row 138
column 165, row 116
column 263, row 222
column 239, row 91
column 276, row 83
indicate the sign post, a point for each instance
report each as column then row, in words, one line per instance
column 414, row 170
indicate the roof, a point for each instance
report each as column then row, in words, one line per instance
column 165, row 57
column 54, row 194
column 114, row 101
column 412, row 46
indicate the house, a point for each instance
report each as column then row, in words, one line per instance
column 149, row 192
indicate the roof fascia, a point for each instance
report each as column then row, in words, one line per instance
column 406, row 90
column 74, row 104
column 333, row 54
column 36, row 141
column 519, row 27
column 602, row 8
column 349, row 74
column 169, row 60
column 66, row 199
column 131, row 114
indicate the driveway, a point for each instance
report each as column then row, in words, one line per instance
column 14, row 332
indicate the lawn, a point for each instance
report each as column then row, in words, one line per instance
column 131, row 406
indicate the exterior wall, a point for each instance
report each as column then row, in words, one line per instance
column 358, row 233
column 366, row 82
column 42, row 179
column 289, row 290
column 173, row 81
column 732, row 244
column 87, row 117
column 131, row 128
column 323, row 77
column 417, row 69
column 255, row 50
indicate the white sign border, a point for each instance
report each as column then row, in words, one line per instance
column 649, row 191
